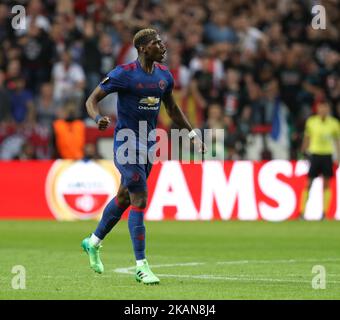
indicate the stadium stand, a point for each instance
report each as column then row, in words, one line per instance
column 259, row 62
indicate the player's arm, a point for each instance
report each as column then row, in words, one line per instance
column 179, row 118
column 305, row 143
column 306, row 139
column 93, row 109
column 337, row 142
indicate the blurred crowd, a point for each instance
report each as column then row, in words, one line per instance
column 255, row 68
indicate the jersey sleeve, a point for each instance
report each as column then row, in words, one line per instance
column 114, row 81
column 170, row 85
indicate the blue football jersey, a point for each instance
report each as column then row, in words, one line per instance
column 139, row 94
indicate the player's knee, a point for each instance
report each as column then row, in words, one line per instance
column 124, row 201
column 139, row 202
column 123, row 198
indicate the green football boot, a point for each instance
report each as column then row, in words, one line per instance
column 93, row 253
column 145, row 275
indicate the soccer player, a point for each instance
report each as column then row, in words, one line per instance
column 141, row 86
column 322, row 131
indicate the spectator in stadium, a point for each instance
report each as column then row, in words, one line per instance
column 261, row 41
column 46, row 106
column 276, row 116
column 234, row 139
column 313, row 84
column 106, row 50
column 69, row 133
column 295, row 20
column 230, row 93
column 69, row 80
column 35, row 16
column 5, row 109
column 244, row 126
column 73, row 35
column 331, row 79
column 57, row 35
column 6, row 30
column 91, row 56
column 291, row 77
column 219, row 29
column 13, row 71
column 205, row 81
column 125, row 52
column 215, row 139
column 27, row 152
column 37, row 53
column 11, row 146
column 180, row 72
column 22, row 106
column 66, row 7
column 254, row 97
column 191, row 45
column 249, row 37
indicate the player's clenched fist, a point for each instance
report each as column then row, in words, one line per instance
column 103, row 122
column 201, row 146
column 197, row 141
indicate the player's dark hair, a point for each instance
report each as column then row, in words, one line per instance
column 143, row 37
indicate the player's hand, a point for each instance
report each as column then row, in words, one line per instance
column 103, row 123
column 199, row 144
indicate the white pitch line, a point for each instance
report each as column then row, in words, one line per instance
column 127, row 270
column 130, row 270
column 212, row 277
column 278, row 261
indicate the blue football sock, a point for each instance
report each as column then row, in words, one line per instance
column 111, row 215
column 137, row 231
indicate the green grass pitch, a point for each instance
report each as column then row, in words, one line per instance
column 194, row 260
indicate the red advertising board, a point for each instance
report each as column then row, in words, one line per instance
column 243, row 190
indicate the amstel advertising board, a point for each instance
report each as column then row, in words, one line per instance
column 212, row 190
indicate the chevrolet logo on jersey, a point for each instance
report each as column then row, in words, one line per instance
column 149, row 103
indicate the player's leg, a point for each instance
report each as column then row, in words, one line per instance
column 305, row 196
column 136, row 224
column 326, row 196
column 312, row 173
column 137, row 234
column 327, row 172
column 111, row 215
